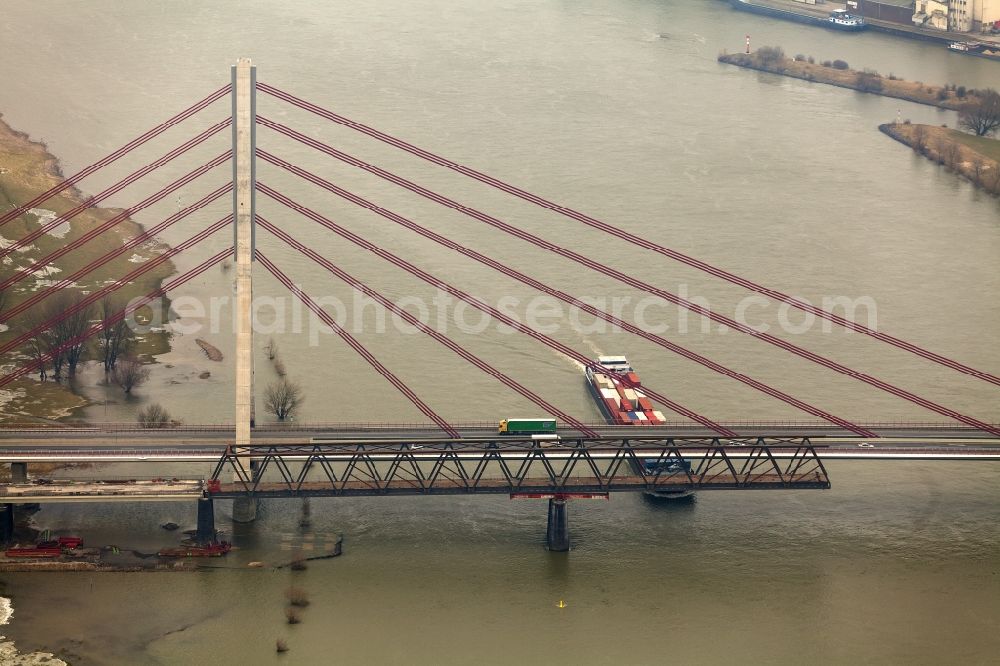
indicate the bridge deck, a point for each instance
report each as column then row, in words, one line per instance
column 582, row 484
column 102, row 490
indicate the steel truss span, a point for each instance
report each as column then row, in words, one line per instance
column 513, row 466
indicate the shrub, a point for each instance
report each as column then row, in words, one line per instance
column 868, row 81
column 942, row 94
column 840, row 64
column 799, row 57
column 153, row 416
column 827, row 63
column 812, row 61
column 893, row 77
column 919, row 139
column 960, row 91
column 769, row 55
column 129, row 373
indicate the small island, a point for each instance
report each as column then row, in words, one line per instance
column 838, row 73
column 971, row 154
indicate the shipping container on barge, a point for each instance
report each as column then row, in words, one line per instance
column 628, row 406
column 621, row 404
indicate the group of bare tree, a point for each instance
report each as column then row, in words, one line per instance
column 117, row 339
column 63, row 345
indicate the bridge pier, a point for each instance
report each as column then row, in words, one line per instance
column 19, row 472
column 557, row 531
column 206, row 521
column 245, row 508
column 6, row 523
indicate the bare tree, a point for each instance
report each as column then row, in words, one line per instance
column 951, row 153
column 75, row 327
column 978, row 169
column 153, row 416
column 282, row 398
column 869, row 81
column 129, row 373
column 919, row 138
column 64, row 340
column 36, row 349
column 992, row 179
column 44, row 343
column 981, row 114
column 116, row 338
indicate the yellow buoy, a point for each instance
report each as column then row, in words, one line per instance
column 561, row 604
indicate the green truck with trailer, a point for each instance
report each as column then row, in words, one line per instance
column 527, row 427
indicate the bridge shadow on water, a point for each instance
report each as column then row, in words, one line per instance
column 670, row 504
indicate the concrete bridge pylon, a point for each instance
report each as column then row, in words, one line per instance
column 244, row 79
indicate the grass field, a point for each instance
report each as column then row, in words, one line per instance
column 985, row 146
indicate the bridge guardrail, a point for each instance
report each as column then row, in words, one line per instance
column 469, row 425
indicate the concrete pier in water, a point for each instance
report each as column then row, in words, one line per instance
column 557, row 531
column 206, row 521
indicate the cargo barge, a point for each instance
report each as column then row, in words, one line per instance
column 990, row 51
column 837, row 20
column 628, row 406
column 621, row 404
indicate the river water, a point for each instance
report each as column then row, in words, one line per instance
column 617, row 108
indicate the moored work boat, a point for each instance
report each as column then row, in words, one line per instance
column 211, row 550
column 841, row 19
column 988, row 50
